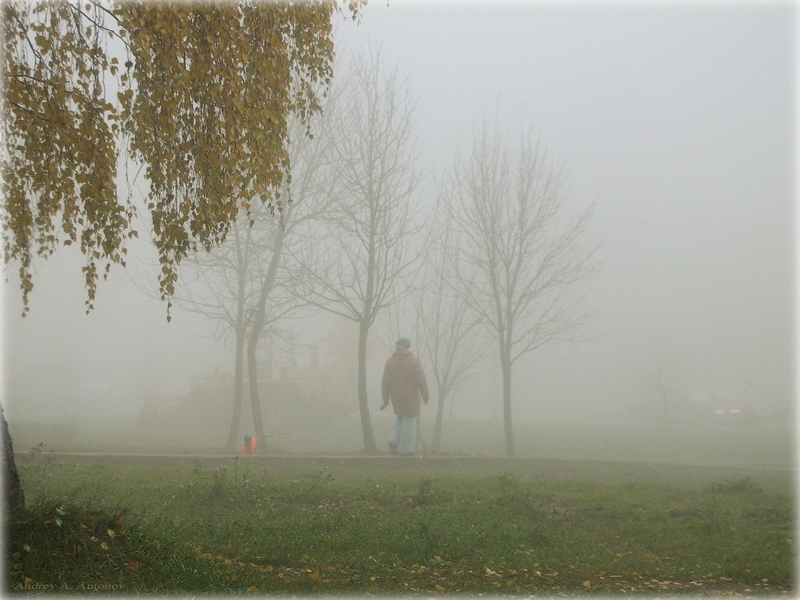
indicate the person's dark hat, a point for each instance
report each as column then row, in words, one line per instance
column 404, row 342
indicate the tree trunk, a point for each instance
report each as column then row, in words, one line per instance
column 15, row 497
column 241, row 329
column 252, row 376
column 258, row 326
column 238, row 384
column 437, row 428
column 370, row 447
column 511, row 448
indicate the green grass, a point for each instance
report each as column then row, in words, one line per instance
column 397, row 526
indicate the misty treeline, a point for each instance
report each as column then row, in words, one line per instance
column 485, row 272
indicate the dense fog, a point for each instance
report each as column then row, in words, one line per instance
column 677, row 122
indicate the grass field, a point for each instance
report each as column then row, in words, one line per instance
column 395, row 526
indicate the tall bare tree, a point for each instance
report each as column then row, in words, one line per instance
column 364, row 254
column 521, row 258
column 445, row 328
column 306, row 201
column 219, row 285
column 242, row 284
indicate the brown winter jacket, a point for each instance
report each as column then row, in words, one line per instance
column 403, row 382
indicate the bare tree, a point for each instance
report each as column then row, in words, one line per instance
column 445, row 327
column 520, row 258
column 231, row 285
column 306, row 202
column 219, row 285
column 364, row 253
column 242, row 284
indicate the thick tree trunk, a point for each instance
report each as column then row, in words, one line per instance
column 370, row 447
column 15, row 497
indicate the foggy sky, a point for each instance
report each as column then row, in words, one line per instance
column 679, row 120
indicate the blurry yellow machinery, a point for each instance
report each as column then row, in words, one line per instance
column 308, row 393
column 297, row 395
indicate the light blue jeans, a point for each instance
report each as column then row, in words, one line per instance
column 404, row 434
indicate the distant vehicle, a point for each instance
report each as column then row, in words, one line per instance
column 719, row 407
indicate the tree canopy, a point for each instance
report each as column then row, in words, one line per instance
column 199, row 93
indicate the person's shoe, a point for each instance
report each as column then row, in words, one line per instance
column 392, row 448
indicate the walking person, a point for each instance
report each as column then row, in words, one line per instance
column 403, row 383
